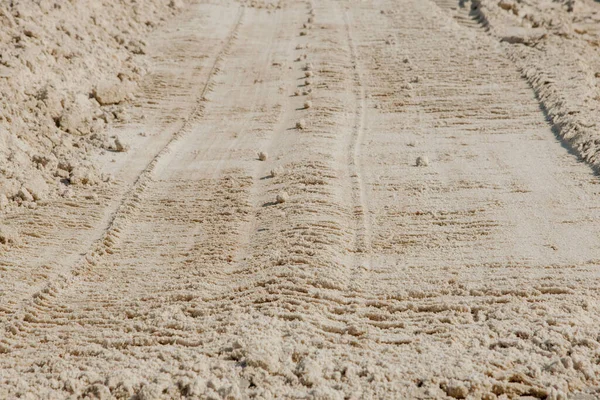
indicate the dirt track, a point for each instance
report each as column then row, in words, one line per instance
column 474, row 275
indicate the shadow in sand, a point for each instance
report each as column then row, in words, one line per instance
column 563, row 142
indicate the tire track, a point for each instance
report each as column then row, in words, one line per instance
column 363, row 229
column 454, row 304
column 189, row 216
column 130, row 201
column 476, row 220
column 559, row 100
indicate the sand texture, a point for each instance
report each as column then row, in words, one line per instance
column 336, row 199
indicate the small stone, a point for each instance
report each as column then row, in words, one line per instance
column 282, row 197
column 262, row 156
column 422, row 161
column 301, row 124
column 275, row 172
column 120, row 146
column 107, row 94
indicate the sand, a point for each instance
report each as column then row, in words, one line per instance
column 426, row 228
column 555, row 46
column 66, row 72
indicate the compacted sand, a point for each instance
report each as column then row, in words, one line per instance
column 337, row 199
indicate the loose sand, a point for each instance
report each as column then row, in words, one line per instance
column 188, row 213
column 67, row 70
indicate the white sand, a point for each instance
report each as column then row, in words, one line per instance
column 335, row 268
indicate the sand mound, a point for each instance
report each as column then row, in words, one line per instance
column 555, row 45
column 66, row 69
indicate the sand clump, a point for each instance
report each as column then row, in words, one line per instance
column 422, row 161
column 300, row 125
column 276, row 172
column 282, row 197
column 120, row 147
column 67, row 69
column 107, row 93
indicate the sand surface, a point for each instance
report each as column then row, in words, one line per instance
column 383, row 199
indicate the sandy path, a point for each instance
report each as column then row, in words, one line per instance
column 474, row 275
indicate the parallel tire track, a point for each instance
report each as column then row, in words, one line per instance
column 131, row 199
